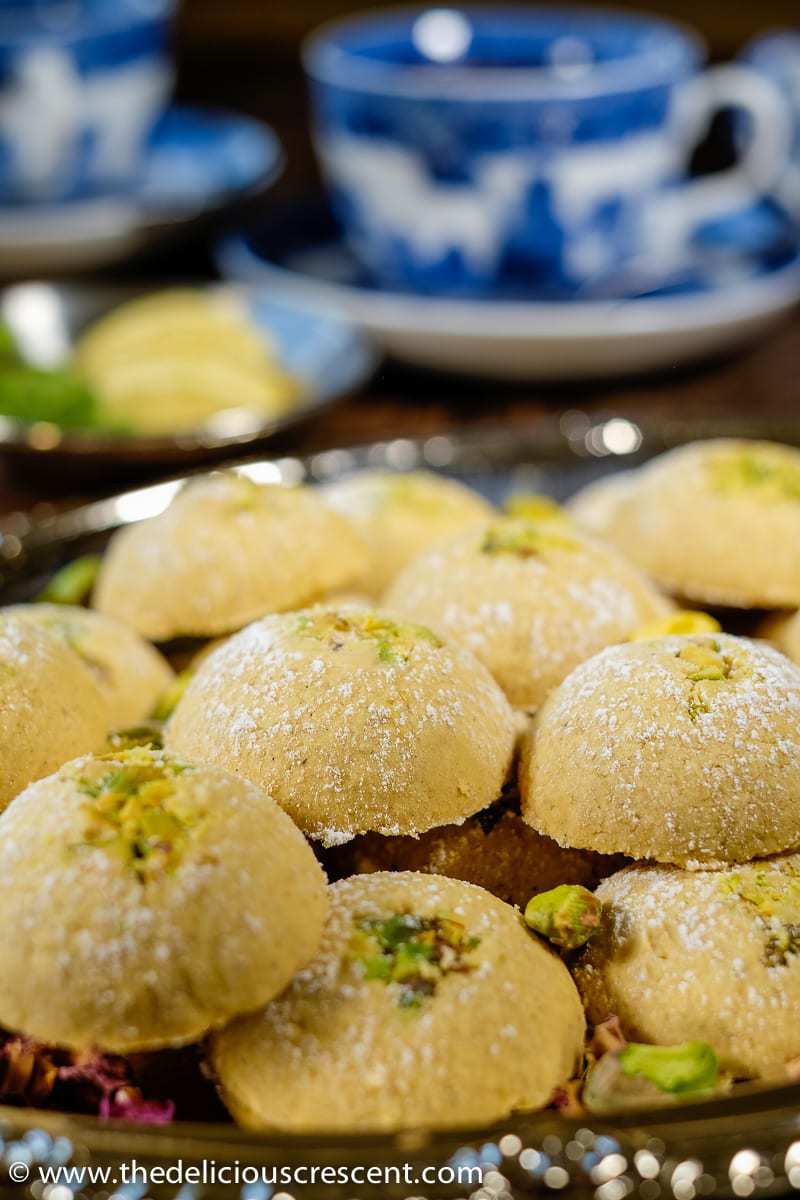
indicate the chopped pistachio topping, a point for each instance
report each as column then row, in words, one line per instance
column 679, row 1070
column 567, row 915
column 768, row 474
column 678, row 624
column 149, row 733
column 782, row 943
column 394, row 640
column 134, row 812
column 168, row 700
column 416, row 492
column 73, row 583
column 526, row 538
column 775, row 896
column 707, row 666
column 531, row 506
column 409, row 953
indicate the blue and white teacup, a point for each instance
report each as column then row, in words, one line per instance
column 486, row 151
column 776, row 56
column 82, row 83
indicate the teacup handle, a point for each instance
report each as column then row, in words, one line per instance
column 684, row 208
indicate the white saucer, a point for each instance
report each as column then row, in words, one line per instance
column 198, row 163
column 570, row 340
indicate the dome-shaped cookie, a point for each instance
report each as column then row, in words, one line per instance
column 51, row 708
column 130, row 672
column 783, row 630
column 718, row 522
column 150, row 902
column 530, row 599
column 712, row 956
column 495, row 849
column 684, row 750
column 353, row 721
column 428, row 1005
column 401, row 514
column 226, row 551
column 593, row 507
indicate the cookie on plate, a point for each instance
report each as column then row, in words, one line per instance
column 428, row 1005
column 227, row 550
column 401, row 514
column 130, row 672
column 783, row 630
column 531, row 599
column 717, row 522
column 150, row 901
column 355, row 722
column 51, row 707
column 685, row 750
column 593, row 507
column 712, row 956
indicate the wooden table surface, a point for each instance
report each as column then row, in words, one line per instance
column 762, row 383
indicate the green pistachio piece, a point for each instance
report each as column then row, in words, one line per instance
column 168, row 700
column 394, row 640
column 409, row 953
column 567, row 915
column 534, row 507
column 73, row 583
column 638, row 1076
column 680, row 624
column 690, row 1067
column 524, row 538
column 149, row 733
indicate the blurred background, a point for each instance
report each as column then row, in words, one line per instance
column 246, row 53
column 605, row 221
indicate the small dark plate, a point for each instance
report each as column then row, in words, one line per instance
column 328, row 358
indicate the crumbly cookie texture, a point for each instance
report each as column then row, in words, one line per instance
column 399, row 514
column 51, row 705
column 129, row 672
column 708, row 955
column 227, row 550
column 151, row 901
column 717, row 522
column 354, row 720
column 531, row 599
column 495, row 849
column 428, row 1005
column 684, row 750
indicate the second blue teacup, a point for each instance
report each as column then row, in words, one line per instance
column 488, row 151
column 82, row 83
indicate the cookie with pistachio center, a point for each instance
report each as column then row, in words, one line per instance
column 51, row 705
column 680, row 749
column 702, row 955
column 717, row 522
column 129, row 671
column 356, row 721
column 227, row 550
column 401, row 513
column 428, row 1005
column 531, row 599
column 151, row 900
